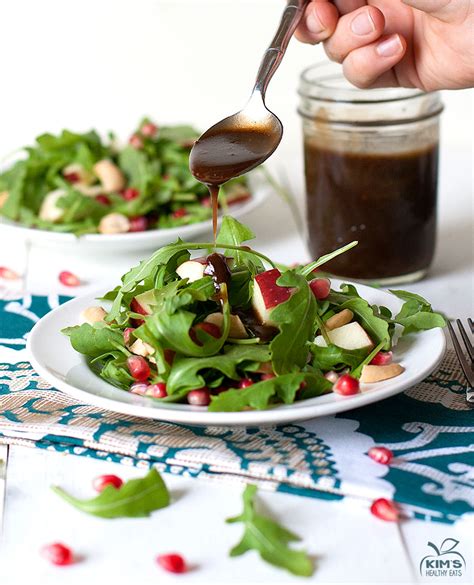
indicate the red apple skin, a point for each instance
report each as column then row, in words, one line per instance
column 137, row 308
column 272, row 293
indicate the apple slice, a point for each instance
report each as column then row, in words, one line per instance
column 350, row 336
column 144, row 303
column 267, row 294
column 237, row 329
column 339, row 319
column 192, row 269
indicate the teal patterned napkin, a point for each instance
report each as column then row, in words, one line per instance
column 430, row 429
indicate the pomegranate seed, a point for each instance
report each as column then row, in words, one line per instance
column 138, row 367
column 321, row 288
column 102, row 481
column 8, row 273
column 179, row 213
column 129, row 194
column 127, row 334
column 72, row 178
column 245, row 383
column 219, row 390
column 57, row 554
column 332, row 376
column 135, row 141
column 383, row 358
column 139, row 388
column 68, row 278
column 385, row 510
column 169, row 356
column 102, row 199
column 157, row 390
column 381, row 455
column 138, row 224
column 206, row 202
column 346, row 385
column 264, row 377
column 149, row 129
column 200, row 397
column 173, row 563
column 166, row 177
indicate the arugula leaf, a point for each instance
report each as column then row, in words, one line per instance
column 295, row 318
column 334, row 357
column 309, row 268
column 357, row 371
column 259, row 396
column 94, row 340
column 187, row 373
column 269, row 538
column 234, row 233
column 136, row 498
column 416, row 313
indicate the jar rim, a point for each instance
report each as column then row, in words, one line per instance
column 324, row 81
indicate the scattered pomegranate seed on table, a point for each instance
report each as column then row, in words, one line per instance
column 173, row 563
column 102, row 481
column 129, row 194
column 385, row 510
column 381, row 455
column 245, row 383
column 383, row 358
column 138, row 367
column 138, row 224
column 346, row 385
column 157, row 390
column 135, row 141
column 58, row 554
column 8, row 273
column 68, row 278
column 199, row 397
column 321, row 288
column 149, row 129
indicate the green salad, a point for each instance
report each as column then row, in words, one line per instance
column 231, row 331
column 81, row 184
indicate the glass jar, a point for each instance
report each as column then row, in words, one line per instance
column 371, row 164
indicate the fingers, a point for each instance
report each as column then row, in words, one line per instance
column 319, row 22
column 346, row 6
column 371, row 65
column 354, row 30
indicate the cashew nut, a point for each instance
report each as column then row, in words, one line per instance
column 110, row 176
column 49, row 210
column 371, row 374
column 339, row 319
column 114, row 223
column 93, row 315
column 142, row 348
column 3, row 198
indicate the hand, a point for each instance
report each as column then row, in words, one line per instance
column 428, row 44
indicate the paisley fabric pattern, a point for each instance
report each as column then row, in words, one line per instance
column 430, row 429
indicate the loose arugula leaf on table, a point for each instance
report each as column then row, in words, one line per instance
column 136, row 498
column 295, row 319
column 94, row 340
column 269, row 539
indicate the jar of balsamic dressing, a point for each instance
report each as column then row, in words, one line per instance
column 371, row 164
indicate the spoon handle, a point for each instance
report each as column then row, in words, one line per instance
column 274, row 54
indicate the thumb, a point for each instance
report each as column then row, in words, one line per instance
column 449, row 11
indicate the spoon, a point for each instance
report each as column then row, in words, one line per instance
column 243, row 141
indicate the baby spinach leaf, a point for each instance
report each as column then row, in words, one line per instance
column 295, row 318
column 269, row 539
column 136, row 498
column 94, row 340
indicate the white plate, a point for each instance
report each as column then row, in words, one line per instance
column 148, row 240
column 56, row 361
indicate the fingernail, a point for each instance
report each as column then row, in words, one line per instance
column 362, row 24
column 313, row 24
column 389, row 47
